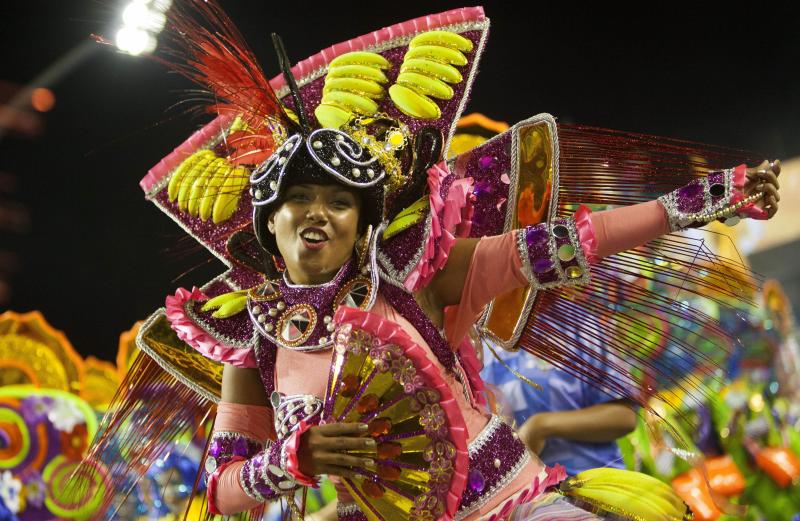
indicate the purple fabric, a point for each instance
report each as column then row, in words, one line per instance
column 266, row 353
column 491, row 193
column 408, row 308
column 403, row 247
column 224, row 446
column 691, row 198
column 238, row 327
column 502, row 446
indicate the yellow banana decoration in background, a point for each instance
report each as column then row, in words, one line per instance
column 429, row 67
column 352, row 85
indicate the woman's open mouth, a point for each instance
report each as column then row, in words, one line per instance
column 314, row 238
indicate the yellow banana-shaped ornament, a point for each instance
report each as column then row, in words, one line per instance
column 352, row 85
column 177, row 177
column 227, row 304
column 198, row 189
column 429, row 66
column 212, row 189
column 229, row 194
column 189, row 179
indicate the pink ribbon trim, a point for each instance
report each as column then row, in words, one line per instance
column 197, row 337
column 555, row 475
column 586, row 236
column 391, row 333
column 213, row 479
column 750, row 209
column 292, row 446
column 451, row 217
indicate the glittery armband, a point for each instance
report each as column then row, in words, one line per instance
column 718, row 196
column 552, row 254
column 263, row 477
column 225, row 446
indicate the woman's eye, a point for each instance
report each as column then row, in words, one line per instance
column 341, row 203
column 298, row 197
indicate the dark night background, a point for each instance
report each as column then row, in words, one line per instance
column 96, row 256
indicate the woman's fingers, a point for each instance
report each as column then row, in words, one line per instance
column 342, row 429
column 335, row 470
column 344, row 460
column 766, row 176
column 344, row 443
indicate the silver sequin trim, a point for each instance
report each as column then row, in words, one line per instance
column 398, row 276
column 347, row 509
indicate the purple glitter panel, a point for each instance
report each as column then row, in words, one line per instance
column 717, row 178
column 501, row 446
column 542, row 265
column 690, row 198
column 223, row 447
column 403, row 247
column 245, row 277
column 408, row 308
column 266, row 353
column 215, row 288
column 550, row 276
column 238, row 327
column 491, row 193
column 213, row 236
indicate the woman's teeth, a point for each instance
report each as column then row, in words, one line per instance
column 314, row 237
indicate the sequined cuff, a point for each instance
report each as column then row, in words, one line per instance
column 349, row 512
column 718, row 196
column 225, row 446
column 552, row 254
column 496, row 457
column 262, row 477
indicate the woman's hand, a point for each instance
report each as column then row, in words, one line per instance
column 325, row 449
column 534, row 432
column 764, row 178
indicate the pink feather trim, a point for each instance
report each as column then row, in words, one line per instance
column 586, row 236
column 200, row 339
column 417, row 25
column 451, row 217
column 390, row 332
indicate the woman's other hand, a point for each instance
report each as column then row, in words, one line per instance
column 764, row 178
column 335, row 449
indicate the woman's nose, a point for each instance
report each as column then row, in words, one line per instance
column 316, row 210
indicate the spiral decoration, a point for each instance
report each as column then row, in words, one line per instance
column 74, row 490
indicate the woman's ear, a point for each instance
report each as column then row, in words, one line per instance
column 271, row 222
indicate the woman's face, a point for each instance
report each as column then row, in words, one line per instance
column 316, row 229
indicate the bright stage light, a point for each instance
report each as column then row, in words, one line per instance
column 142, row 21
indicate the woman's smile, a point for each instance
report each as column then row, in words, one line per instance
column 314, row 238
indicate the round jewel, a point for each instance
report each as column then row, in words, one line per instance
column 262, row 318
column 330, row 327
column 335, row 161
column 327, row 319
column 272, row 312
column 308, row 409
column 370, row 173
column 322, row 340
column 293, row 419
column 281, row 305
column 256, row 310
column 497, row 463
column 281, row 160
column 267, row 327
column 273, row 185
column 317, row 144
column 339, row 137
column 356, row 172
column 288, row 146
column 259, row 194
column 211, row 464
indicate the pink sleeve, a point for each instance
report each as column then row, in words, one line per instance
column 486, row 279
column 626, row 227
column 253, row 421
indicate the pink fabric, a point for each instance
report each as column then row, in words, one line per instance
column 627, row 227
column 450, row 218
column 486, row 279
column 253, row 421
column 554, row 476
column 200, row 339
column 225, row 494
column 750, row 209
column 423, row 23
column 472, row 367
column 292, row 446
column 391, row 333
column 172, row 160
